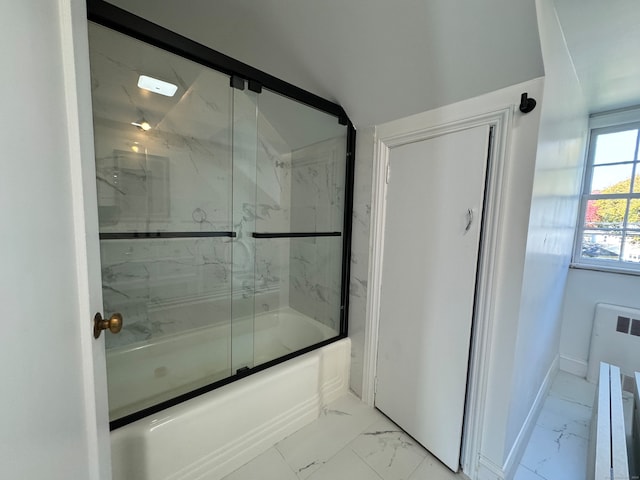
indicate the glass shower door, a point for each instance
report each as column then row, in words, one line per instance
column 300, row 199
column 223, row 217
column 164, row 171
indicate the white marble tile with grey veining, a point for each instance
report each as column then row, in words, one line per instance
column 556, row 453
column 388, row 450
column 268, row 466
column 558, row 444
column 308, row 449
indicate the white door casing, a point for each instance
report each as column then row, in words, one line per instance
column 434, row 208
column 54, row 420
column 414, row 130
column 75, row 46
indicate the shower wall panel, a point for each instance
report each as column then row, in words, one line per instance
column 273, row 214
column 317, row 194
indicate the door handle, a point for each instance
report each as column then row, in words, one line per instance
column 114, row 324
column 469, row 220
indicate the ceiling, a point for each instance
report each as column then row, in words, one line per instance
column 603, row 38
column 380, row 59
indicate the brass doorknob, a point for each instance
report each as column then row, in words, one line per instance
column 114, row 324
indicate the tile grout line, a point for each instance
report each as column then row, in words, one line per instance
column 343, row 448
column 275, row 447
column 535, row 473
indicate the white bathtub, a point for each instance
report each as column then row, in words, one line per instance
column 213, row 434
column 147, row 373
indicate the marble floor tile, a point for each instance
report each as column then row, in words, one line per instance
column 574, row 389
column 524, row 473
column 432, row 469
column 564, row 416
column 389, row 451
column 268, row 466
column 555, row 454
column 352, row 441
column 312, row 446
column 558, row 447
column 346, row 465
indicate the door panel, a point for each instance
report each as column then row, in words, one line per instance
column 432, row 232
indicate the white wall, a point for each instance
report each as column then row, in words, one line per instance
column 515, row 201
column 554, row 203
column 380, row 59
column 46, row 430
column 585, row 288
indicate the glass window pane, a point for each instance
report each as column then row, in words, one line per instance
column 615, row 147
column 633, row 220
column 605, row 214
column 601, row 245
column 611, row 179
column 632, row 249
column 636, row 180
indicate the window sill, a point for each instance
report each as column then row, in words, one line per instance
column 605, row 269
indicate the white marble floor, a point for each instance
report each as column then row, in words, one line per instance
column 351, row 441
column 557, row 449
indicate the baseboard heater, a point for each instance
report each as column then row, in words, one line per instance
column 614, row 444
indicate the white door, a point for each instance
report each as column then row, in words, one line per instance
column 432, row 231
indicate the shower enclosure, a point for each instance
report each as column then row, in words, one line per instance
column 224, row 200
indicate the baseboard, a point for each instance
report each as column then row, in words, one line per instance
column 487, row 470
column 519, row 446
column 573, row 366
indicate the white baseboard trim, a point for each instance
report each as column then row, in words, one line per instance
column 519, row 446
column 487, row 470
column 573, row 366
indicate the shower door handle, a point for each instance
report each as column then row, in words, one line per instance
column 469, row 220
column 114, row 324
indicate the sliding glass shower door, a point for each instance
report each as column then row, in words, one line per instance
column 221, row 214
column 299, row 226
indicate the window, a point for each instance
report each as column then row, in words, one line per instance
column 609, row 230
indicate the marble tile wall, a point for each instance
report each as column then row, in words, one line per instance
column 142, row 278
column 273, row 214
column 317, row 199
column 360, row 253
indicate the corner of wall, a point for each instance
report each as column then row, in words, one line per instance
column 360, row 238
column 551, row 226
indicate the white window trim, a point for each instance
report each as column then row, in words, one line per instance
column 619, row 120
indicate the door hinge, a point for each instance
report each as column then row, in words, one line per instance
column 388, row 171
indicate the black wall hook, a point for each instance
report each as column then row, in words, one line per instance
column 526, row 104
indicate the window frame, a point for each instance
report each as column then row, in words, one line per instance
column 603, row 126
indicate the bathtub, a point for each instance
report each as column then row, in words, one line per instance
column 211, row 435
column 148, row 373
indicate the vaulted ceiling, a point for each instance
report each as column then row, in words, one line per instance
column 380, row 59
column 603, row 38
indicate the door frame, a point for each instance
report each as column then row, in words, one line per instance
column 414, row 130
column 77, row 89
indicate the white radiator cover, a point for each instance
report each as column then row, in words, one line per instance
column 611, row 346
